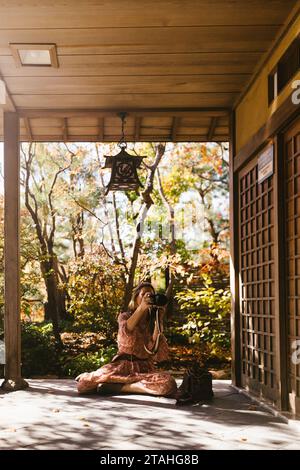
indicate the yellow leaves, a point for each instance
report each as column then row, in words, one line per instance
column 85, row 422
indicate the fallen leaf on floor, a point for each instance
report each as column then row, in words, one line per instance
column 243, row 439
column 252, row 407
column 56, row 410
column 86, row 425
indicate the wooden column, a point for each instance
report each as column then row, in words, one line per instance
column 12, row 329
column 280, row 274
column 234, row 260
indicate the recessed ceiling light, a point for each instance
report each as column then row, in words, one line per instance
column 34, row 55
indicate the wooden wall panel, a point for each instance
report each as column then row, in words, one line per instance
column 257, row 282
column 292, row 182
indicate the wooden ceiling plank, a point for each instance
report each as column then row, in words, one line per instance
column 132, row 84
column 142, row 40
column 293, row 14
column 137, row 64
column 91, row 14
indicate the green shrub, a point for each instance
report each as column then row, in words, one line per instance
column 208, row 317
column 95, row 289
column 39, row 355
column 86, row 362
column 175, row 336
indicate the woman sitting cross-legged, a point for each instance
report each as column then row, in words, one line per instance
column 132, row 370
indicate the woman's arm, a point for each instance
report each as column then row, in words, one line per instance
column 138, row 314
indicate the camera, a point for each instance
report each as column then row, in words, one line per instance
column 158, row 300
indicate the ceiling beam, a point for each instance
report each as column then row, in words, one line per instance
column 130, row 138
column 68, row 113
column 212, row 127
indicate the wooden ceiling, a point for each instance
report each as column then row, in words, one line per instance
column 176, row 66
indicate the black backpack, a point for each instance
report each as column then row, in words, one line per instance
column 196, row 386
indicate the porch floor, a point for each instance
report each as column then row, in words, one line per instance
column 50, row 415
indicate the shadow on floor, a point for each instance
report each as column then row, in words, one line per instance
column 51, row 415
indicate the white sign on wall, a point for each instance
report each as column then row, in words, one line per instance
column 265, row 163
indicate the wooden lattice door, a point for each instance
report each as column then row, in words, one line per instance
column 292, row 208
column 257, row 283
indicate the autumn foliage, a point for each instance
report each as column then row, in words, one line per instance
column 83, row 250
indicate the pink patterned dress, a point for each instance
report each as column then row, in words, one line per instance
column 132, row 363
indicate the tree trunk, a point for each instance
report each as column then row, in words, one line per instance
column 134, row 257
column 51, row 307
column 169, row 276
column 77, row 229
column 160, row 150
column 61, row 294
column 55, row 307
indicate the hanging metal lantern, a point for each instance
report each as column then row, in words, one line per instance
column 123, row 166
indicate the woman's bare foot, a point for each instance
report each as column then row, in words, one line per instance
column 109, row 388
column 80, row 376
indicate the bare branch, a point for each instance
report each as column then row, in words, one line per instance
column 118, row 233
column 61, row 170
column 82, row 206
column 146, row 195
column 28, row 194
column 104, row 205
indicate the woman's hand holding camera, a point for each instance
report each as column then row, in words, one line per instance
column 149, row 300
column 146, row 301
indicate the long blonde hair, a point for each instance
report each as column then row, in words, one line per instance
column 132, row 304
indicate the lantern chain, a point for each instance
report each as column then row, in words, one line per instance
column 122, row 142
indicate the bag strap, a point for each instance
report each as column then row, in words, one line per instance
column 154, row 350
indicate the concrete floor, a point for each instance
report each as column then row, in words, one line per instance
column 50, row 415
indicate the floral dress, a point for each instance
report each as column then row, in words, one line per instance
column 133, row 363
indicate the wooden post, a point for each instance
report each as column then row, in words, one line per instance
column 12, row 326
column 280, row 274
column 234, row 261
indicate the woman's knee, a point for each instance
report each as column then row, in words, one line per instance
column 167, row 388
column 170, row 386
